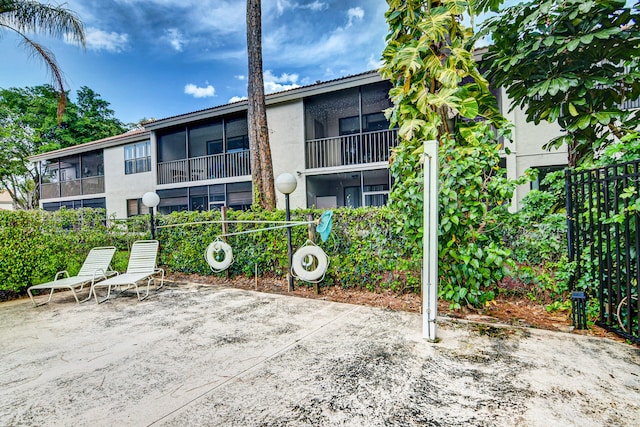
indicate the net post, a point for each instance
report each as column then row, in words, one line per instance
column 430, row 242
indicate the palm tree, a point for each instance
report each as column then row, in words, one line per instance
column 261, row 165
column 27, row 16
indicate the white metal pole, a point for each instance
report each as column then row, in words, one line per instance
column 430, row 242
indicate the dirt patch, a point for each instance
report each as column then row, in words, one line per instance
column 514, row 309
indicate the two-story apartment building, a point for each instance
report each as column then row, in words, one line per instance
column 332, row 135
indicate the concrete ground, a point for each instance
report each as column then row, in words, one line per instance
column 203, row 355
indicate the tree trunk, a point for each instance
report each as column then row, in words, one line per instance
column 261, row 167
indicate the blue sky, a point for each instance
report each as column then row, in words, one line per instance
column 159, row 58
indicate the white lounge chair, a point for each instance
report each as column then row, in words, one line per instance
column 142, row 266
column 94, row 268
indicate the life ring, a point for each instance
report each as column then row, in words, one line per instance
column 300, row 262
column 213, row 249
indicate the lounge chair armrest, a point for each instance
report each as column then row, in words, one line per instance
column 59, row 273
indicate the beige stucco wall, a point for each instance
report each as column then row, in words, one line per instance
column 286, row 137
column 526, row 148
column 120, row 187
column 6, row 203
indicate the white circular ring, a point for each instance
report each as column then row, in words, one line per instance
column 213, row 249
column 298, row 263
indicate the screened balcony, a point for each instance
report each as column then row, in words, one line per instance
column 345, row 150
column 348, row 127
column 72, row 176
column 214, row 149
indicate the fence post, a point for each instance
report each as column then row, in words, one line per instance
column 311, row 229
column 225, row 230
column 569, row 207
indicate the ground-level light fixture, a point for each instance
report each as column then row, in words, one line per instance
column 286, row 183
column 151, row 200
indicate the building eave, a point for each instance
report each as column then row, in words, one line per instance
column 125, row 138
column 289, row 95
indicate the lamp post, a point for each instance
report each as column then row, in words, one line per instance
column 286, row 183
column 151, row 200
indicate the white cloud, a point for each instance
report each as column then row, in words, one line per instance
column 175, row 39
column 283, row 6
column 374, row 62
column 355, row 13
column 349, row 48
column 285, row 81
column 102, row 40
column 317, row 5
column 199, row 92
column 236, row 99
column 240, row 77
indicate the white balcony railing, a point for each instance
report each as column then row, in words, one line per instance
column 206, row 167
column 361, row 148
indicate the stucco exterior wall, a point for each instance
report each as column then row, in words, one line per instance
column 286, row 136
column 526, row 147
column 120, row 187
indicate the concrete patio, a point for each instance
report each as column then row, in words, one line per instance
column 204, row 355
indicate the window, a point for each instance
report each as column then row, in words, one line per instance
column 137, row 158
column 237, row 195
column 92, row 164
column 349, row 125
column 136, row 207
column 70, row 168
column 538, row 184
column 370, row 123
column 349, row 189
column 205, row 139
column 76, row 204
column 217, row 196
column 237, row 135
column 174, row 200
column 198, row 198
column 375, row 121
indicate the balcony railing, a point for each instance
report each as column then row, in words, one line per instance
column 206, row 167
column 367, row 147
column 73, row 187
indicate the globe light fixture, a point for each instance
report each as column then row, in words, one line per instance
column 151, row 200
column 286, row 183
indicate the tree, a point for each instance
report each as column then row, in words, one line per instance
column 28, row 125
column 17, row 175
column 439, row 94
column 95, row 120
column 261, row 166
column 27, row 16
column 574, row 62
column 87, row 120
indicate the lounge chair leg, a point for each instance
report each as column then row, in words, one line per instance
column 31, row 296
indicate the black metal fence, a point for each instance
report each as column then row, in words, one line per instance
column 603, row 214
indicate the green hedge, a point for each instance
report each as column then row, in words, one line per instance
column 364, row 250
column 34, row 245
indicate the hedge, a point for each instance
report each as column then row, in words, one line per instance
column 364, row 249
